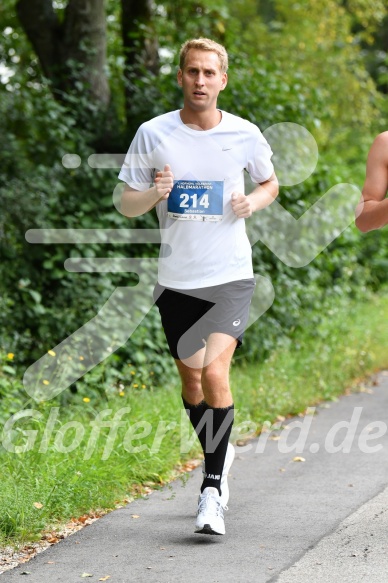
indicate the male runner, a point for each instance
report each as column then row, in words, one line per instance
column 194, row 159
column 373, row 207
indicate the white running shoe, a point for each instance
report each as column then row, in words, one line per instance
column 230, row 453
column 210, row 515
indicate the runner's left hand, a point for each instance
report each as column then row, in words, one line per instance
column 241, row 205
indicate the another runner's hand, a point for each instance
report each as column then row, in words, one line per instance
column 164, row 181
column 241, row 205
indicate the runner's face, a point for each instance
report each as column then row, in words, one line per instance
column 201, row 80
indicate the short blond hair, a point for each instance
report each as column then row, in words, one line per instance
column 204, row 44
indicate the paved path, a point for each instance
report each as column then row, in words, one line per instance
column 324, row 519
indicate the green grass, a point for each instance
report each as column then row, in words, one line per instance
column 97, row 473
column 318, row 365
column 102, row 470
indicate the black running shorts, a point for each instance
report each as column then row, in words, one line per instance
column 190, row 316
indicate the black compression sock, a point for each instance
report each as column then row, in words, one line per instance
column 219, row 426
column 195, row 413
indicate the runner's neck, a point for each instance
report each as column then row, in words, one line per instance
column 201, row 122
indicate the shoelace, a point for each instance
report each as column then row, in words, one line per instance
column 214, row 505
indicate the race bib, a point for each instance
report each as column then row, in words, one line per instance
column 196, row 200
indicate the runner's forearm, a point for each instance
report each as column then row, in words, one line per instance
column 135, row 202
column 374, row 215
column 264, row 194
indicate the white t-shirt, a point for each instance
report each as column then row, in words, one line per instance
column 210, row 245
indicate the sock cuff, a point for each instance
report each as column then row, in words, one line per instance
column 195, row 407
column 229, row 408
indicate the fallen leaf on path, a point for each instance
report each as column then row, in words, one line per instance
column 241, row 442
column 105, row 578
column 298, row 459
column 86, row 575
column 191, row 465
column 135, row 516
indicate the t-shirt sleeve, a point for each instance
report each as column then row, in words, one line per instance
column 259, row 165
column 137, row 170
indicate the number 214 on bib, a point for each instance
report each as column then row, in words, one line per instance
column 196, row 200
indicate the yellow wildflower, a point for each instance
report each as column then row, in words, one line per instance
column 51, row 352
column 135, row 386
column 81, row 358
column 86, row 400
column 10, row 355
column 121, row 393
column 45, row 382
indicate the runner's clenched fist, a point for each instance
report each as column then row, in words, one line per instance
column 241, row 205
column 164, row 181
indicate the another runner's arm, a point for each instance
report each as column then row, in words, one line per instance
column 262, row 196
column 372, row 211
column 137, row 202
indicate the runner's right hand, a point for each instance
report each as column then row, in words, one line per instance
column 164, row 181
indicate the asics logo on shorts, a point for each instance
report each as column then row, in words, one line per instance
column 236, row 322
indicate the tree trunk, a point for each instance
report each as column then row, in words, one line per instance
column 140, row 43
column 72, row 53
column 84, row 43
column 43, row 30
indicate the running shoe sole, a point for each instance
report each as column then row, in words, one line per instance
column 207, row 529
